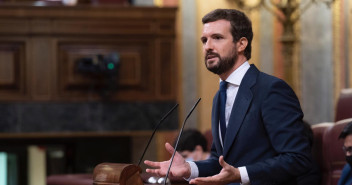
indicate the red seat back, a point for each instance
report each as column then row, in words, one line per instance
column 344, row 105
column 317, row 149
column 208, row 135
column 333, row 155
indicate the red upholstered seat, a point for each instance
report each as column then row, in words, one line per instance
column 317, row 149
column 344, row 105
column 332, row 153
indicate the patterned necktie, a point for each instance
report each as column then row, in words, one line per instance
column 222, row 104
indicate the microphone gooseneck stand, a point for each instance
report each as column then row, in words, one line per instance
column 156, row 127
column 178, row 138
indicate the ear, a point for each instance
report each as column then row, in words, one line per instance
column 242, row 44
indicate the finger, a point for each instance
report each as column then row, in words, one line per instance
column 169, row 148
column 154, row 171
column 151, row 170
column 152, row 164
column 193, row 181
column 222, row 162
column 201, row 180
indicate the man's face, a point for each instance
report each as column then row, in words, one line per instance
column 348, row 144
column 186, row 154
column 219, row 50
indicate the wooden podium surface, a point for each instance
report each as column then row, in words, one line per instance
column 117, row 174
column 87, row 179
column 124, row 174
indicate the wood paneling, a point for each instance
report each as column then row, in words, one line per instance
column 136, row 71
column 43, row 66
column 12, row 69
column 166, row 82
column 102, row 27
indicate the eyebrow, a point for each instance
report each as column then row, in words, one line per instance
column 214, row 34
column 217, row 34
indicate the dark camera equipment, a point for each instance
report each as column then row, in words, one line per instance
column 103, row 69
column 99, row 64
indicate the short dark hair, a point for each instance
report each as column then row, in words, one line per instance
column 347, row 130
column 190, row 139
column 241, row 26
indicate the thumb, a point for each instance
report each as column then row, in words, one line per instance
column 169, row 148
column 222, row 162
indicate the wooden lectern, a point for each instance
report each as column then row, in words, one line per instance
column 117, row 174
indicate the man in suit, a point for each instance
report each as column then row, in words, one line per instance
column 258, row 134
column 346, row 176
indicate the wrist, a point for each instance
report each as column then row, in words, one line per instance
column 237, row 176
column 187, row 173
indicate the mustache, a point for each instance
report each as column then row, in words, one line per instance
column 211, row 53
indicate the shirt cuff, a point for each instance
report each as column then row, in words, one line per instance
column 244, row 175
column 194, row 171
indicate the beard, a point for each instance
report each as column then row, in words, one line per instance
column 224, row 64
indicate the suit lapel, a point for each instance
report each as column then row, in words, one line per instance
column 215, row 124
column 242, row 103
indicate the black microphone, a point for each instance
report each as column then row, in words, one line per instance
column 178, row 138
column 156, row 127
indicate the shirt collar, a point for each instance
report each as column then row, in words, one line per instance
column 236, row 77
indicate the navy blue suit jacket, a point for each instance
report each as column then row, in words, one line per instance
column 265, row 133
column 346, row 176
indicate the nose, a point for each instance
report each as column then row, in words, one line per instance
column 208, row 46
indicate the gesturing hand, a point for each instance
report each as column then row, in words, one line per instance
column 227, row 175
column 179, row 168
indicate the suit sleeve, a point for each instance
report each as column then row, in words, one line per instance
column 345, row 173
column 282, row 118
column 210, row 166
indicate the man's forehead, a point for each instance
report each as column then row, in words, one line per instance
column 348, row 140
column 216, row 26
column 185, row 151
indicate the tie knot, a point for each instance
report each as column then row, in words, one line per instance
column 223, row 86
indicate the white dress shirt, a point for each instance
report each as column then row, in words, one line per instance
column 234, row 81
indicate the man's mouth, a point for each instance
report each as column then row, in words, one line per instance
column 211, row 56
